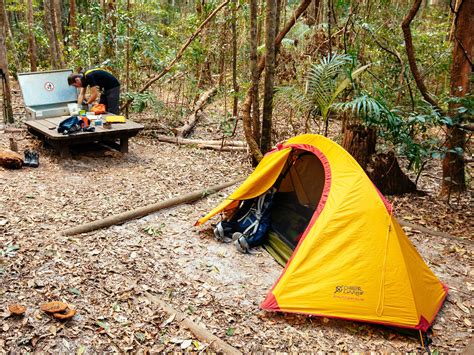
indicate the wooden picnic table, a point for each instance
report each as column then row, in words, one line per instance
column 47, row 130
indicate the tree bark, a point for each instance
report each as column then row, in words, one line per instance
column 58, row 30
column 72, row 23
column 53, row 42
column 270, row 33
column 111, row 20
column 31, row 38
column 385, row 173
column 58, row 23
column 11, row 40
column 360, row 142
column 411, row 54
column 235, row 86
column 7, row 110
column 255, row 105
column 453, row 164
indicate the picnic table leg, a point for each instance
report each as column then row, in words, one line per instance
column 123, row 145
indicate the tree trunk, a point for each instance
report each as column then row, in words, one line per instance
column 127, row 54
column 53, row 42
column 235, row 86
column 385, row 173
column 72, row 23
column 58, row 30
column 58, row 23
column 382, row 169
column 270, row 33
column 411, row 54
column 312, row 14
column 11, row 40
column 31, row 38
column 453, row 164
column 254, row 71
column 254, row 148
column 360, row 142
column 7, row 110
column 111, row 20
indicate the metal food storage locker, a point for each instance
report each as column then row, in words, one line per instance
column 47, row 94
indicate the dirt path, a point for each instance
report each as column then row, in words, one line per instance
column 103, row 274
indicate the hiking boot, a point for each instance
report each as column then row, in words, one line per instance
column 219, row 232
column 27, row 160
column 241, row 243
column 236, row 236
column 34, row 159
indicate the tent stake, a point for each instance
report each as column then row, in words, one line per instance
column 145, row 210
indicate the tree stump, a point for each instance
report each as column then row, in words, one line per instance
column 10, row 159
column 385, row 173
column 360, row 142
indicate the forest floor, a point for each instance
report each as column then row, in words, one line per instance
column 105, row 274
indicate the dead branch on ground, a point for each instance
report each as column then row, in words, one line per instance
column 195, row 115
column 145, row 210
column 179, row 140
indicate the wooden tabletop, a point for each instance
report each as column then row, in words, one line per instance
column 49, row 128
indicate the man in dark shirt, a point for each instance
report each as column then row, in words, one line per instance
column 98, row 80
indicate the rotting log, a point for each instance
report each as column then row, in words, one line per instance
column 201, row 333
column 145, row 210
column 10, row 159
column 194, row 116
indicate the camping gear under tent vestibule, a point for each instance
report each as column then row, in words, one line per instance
column 350, row 258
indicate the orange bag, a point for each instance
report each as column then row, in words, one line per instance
column 98, row 109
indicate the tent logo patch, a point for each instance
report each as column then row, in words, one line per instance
column 349, row 290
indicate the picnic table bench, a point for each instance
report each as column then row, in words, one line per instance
column 47, row 130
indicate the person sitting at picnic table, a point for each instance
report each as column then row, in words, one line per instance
column 99, row 81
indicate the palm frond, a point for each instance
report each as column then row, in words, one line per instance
column 295, row 96
column 366, row 107
column 323, row 77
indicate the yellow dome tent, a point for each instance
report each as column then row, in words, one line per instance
column 351, row 260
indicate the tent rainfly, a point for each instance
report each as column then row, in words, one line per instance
column 351, row 259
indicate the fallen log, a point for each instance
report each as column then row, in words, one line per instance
column 13, row 130
column 429, row 231
column 222, row 149
column 194, row 116
column 179, row 140
column 145, row 210
column 201, row 333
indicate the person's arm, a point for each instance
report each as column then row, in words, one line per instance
column 82, row 95
column 94, row 95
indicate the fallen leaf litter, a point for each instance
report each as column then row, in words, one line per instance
column 110, row 270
